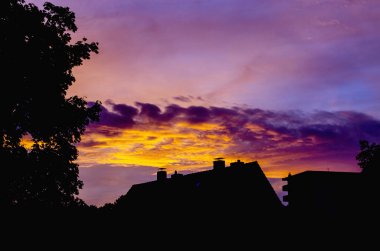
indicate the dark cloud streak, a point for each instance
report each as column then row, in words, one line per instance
column 255, row 130
column 295, row 124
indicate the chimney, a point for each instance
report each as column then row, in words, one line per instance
column 176, row 175
column 219, row 163
column 238, row 163
column 161, row 174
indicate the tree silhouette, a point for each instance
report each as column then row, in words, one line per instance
column 37, row 58
column 369, row 157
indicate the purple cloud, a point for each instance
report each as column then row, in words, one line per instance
column 92, row 143
column 122, row 117
column 188, row 98
column 184, row 99
column 223, row 112
column 172, row 111
column 318, row 135
column 149, row 110
column 154, row 113
column 197, row 114
column 125, row 110
column 346, row 126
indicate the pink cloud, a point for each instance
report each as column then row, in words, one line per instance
column 323, row 55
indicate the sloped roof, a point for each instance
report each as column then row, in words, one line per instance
column 244, row 188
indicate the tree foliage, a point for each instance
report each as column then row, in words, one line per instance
column 369, row 157
column 37, row 58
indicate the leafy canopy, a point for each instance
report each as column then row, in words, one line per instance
column 369, row 157
column 37, row 58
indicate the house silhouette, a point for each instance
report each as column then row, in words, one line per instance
column 240, row 189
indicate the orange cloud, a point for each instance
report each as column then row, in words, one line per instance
column 189, row 138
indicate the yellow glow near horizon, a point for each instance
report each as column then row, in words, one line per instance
column 177, row 147
column 180, row 146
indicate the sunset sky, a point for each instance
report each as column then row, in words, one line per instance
column 291, row 84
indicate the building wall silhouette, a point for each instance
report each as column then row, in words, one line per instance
column 324, row 193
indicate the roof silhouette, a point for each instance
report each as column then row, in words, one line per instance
column 241, row 188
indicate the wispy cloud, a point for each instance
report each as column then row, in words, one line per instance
column 187, row 99
column 270, row 54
